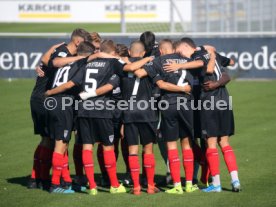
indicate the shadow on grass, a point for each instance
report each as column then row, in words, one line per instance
column 23, row 181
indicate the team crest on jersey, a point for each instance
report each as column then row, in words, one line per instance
column 62, row 54
column 111, row 138
column 121, row 61
column 65, row 133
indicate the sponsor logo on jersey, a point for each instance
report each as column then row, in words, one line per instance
column 65, row 133
column 111, row 138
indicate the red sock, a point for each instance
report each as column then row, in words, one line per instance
column 87, row 157
column 213, row 160
column 65, row 169
column 134, row 169
column 110, row 165
column 36, row 164
column 230, row 158
column 77, row 155
column 188, row 163
column 57, row 165
column 46, row 155
column 124, row 150
column 149, row 165
column 100, row 156
column 174, row 163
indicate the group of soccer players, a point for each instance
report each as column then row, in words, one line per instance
column 91, row 73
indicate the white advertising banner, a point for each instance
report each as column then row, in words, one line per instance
column 91, row 11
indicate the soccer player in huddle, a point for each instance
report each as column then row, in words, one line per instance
column 109, row 47
column 175, row 123
column 218, row 124
column 51, row 60
column 195, row 67
column 97, row 80
column 43, row 153
column 61, row 120
column 139, row 123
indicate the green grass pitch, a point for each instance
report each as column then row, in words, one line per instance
column 254, row 145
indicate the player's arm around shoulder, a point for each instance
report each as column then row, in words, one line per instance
column 131, row 67
column 60, row 89
column 173, row 88
column 172, row 67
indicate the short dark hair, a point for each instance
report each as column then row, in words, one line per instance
column 85, row 48
column 177, row 43
column 108, row 46
column 81, row 33
column 122, row 50
column 188, row 41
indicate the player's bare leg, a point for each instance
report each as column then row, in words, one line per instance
column 88, row 163
column 231, row 163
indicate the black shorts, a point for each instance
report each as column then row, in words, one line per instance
column 39, row 115
column 92, row 130
column 217, row 123
column 145, row 130
column 176, row 123
column 60, row 122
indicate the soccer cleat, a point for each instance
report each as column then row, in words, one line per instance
column 33, row 184
column 202, row 185
column 176, row 190
column 236, row 186
column 58, row 189
column 152, row 189
column 136, row 191
column 168, row 179
column 92, row 191
column 189, row 188
column 78, row 188
column 80, row 180
column 127, row 179
column 212, row 188
column 144, row 181
column 105, row 181
column 46, row 184
column 120, row 189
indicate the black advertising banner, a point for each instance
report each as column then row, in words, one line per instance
column 255, row 58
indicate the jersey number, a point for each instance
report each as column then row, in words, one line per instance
column 136, row 84
column 181, row 81
column 90, row 83
column 61, row 76
column 217, row 70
